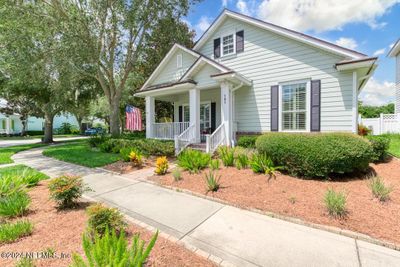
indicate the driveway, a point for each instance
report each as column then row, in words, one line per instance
column 7, row 143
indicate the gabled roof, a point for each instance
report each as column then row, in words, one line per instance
column 166, row 59
column 395, row 50
column 200, row 62
column 304, row 38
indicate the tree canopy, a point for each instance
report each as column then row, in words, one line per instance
column 374, row 111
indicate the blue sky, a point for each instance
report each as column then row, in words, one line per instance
column 368, row 26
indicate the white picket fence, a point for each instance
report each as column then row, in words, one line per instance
column 386, row 123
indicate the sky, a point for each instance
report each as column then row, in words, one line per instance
column 367, row 26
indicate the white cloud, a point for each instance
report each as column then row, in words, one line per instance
column 347, row 42
column 242, row 6
column 202, row 25
column 391, row 45
column 376, row 93
column 225, row 3
column 379, row 52
column 324, row 15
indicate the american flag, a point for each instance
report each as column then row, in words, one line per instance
column 133, row 118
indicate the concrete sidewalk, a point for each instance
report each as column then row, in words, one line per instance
column 8, row 143
column 233, row 235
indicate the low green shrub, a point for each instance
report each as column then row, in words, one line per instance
column 134, row 135
column 212, row 181
column 113, row 250
column 14, row 204
column 335, row 203
column 25, row 262
column 176, row 173
column 17, row 177
column 214, row 164
column 317, row 155
column 193, row 160
column 9, row 232
column 242, row 161
column 32, row 133
column 66, row 190
column 148, row 147
column 262, row 163
column 97, row 140
column 379, row 189
column 380, row 146
column 102, row 218
column 10, row 184
column 247, row 141
column 227, row 155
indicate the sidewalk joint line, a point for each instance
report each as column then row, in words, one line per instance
column 208, row 217
column 358, row 253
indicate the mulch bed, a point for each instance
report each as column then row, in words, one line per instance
column 294, row 197
column 61, row 231
column 123, row 167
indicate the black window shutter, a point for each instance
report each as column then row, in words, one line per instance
column 275, row 108
column 315, row 106
column 239, row 41
column 213, row 116
column 180, row 114
column 217, row 48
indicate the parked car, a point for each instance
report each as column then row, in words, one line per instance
column 94, row 130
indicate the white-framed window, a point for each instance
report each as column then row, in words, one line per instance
column 186, row 113
column 228, row 46
column 179, row 61
column 294, row 106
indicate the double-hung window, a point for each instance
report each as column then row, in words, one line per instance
column 228, row 44
column 294, row 107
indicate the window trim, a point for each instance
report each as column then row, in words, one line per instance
column 222, row 44
column 179, row 59
column 308, row 105
column 187, row 104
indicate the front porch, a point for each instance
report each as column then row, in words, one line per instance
column 199, row 117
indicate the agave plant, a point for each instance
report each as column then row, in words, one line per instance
column 212, row 181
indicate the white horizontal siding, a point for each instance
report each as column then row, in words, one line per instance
column 269, row 59
column 171, row 72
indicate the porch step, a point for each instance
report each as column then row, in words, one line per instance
column 198, row 146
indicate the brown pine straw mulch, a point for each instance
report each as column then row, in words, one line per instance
column 295, row 197
column 61, row 231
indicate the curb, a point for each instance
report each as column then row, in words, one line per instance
column 215, row 259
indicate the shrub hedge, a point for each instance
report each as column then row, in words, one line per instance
column 317, row 155
column 247, row 141
column 380, row 146
column 145, row 146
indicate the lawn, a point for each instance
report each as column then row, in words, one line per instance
column 81, row 153
column 394, row 147
column 30, row 137
column 7, row 152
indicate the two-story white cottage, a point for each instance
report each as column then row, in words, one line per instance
column 248, row 76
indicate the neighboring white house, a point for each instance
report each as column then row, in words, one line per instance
column 11, row 124
column 246, row 76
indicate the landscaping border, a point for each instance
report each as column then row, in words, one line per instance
column 332, row 229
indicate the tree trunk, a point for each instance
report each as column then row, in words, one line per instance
column 23, row 130
column 81, row 129
column 48, row 128
column 115, row 118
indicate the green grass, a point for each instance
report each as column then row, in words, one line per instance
column 394, row 147
column 7, row 152
column 80, row 153
column 9, row 232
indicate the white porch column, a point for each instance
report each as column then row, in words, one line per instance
column 8, row 125
column 226, row 110
column 194, row 106
column 150, row 114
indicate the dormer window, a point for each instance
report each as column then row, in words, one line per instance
column 228, row 44
column 179, row 61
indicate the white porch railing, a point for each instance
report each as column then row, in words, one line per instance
column 215, row 139
column 386, row 123
column 169, row 130
column 186, row 138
